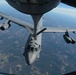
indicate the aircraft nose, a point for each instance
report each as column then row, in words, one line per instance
column 31, row 58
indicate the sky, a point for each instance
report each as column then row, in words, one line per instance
column 66, row 9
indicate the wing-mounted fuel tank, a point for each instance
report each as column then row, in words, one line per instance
column 34, row 7
column 68, row 39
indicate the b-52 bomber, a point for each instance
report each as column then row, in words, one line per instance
column 36, row 8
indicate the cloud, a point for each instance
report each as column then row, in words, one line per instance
column 66, row 11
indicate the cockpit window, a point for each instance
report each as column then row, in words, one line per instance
column 32, row 48
column 36, row 49
column 28, row 47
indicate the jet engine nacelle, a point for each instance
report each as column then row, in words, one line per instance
column 6, row 25
column 1, row 18
column 68, row 39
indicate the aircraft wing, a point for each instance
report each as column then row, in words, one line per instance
column 17, row 21
column 69, row 2
column 58, row 29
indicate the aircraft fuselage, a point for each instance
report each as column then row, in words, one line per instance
column 32, row 50
column 33, row 46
